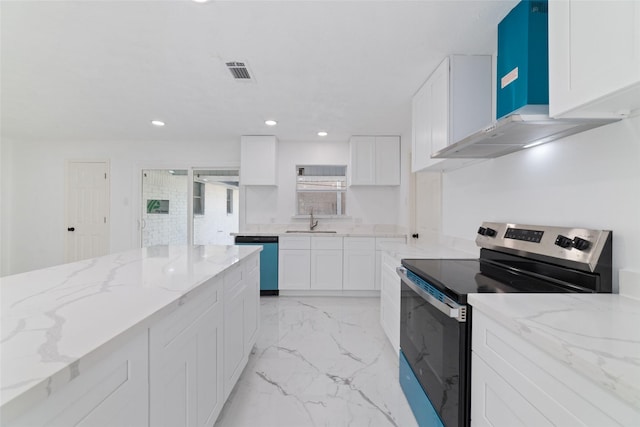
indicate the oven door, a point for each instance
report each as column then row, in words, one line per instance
column 434, row 340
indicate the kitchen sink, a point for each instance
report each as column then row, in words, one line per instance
column 311, row 231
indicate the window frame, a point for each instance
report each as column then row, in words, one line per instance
column 198, row 197
column 340, row 193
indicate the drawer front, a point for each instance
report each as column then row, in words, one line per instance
column 359, row 243
column 380, row 240
column 326, row 243
column 294, row 242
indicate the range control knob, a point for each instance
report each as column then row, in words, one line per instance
column 563, row 241
column 581, row 244
column 491, row 232
column 482, row 231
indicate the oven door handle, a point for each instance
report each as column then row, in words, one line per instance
column 448, row 307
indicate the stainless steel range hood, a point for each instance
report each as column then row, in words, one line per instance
column 516, row 132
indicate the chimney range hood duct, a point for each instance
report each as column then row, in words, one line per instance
column 522, row 92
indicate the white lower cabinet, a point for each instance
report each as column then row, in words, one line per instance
column 113, row 392
column 359, row 263
column 379, row 251
column 294, row 263
column 185, row 357
column 294, row 269
column 326, row 263
column 513, row 383
column 390, row 300
column 331, row 263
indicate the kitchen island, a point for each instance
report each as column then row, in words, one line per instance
column 110, row 339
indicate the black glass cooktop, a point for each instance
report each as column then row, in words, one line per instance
column 458, row 277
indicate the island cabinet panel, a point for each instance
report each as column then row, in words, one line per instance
column 241, row 318
column 186, row 362
column 252, row 302
column 514, row 383
column 113, row 392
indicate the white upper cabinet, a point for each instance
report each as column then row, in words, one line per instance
column 454, row 102
column 375, row 160
column 594, row 58
column 258, row 160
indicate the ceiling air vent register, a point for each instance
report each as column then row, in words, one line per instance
column 239, row 70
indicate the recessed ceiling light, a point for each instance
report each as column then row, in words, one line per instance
column 322, row 133
column 157, row 123
column 270, row 122
column 200, row 1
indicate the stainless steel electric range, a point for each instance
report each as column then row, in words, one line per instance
column 435, row 320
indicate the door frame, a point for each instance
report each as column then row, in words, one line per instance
column 67, row 164
column 136, row 223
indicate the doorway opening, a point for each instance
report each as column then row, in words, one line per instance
column 189, row 206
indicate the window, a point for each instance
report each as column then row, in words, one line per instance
column 229, row 201
column 321, row 188
column 198, row 198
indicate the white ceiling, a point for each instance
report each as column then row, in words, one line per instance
column 102, row 70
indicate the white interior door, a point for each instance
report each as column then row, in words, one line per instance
column 87, row 213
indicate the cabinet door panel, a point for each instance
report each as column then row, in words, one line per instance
column 209, row 367
column 359, row 270
column 294, row 269
column 113, row 390
column 387, row 160
column 258, row 160
column 252, row 311
column 234, row 314
column 186, row 367
column 496, row 404
column 363, row 160
column 594, row 51
column 326, row 269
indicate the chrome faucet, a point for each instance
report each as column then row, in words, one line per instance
column 312, row 224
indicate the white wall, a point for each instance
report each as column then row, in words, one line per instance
column 587, row 180
column 276, row 205
column 37, row 195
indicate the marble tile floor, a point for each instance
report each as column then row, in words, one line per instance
column 319, row 361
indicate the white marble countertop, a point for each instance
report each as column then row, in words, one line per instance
column 432, row 251
column 303, row 232
column 55, row 321
column 597, row 335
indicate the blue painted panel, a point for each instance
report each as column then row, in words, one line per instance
column 269, row 267
column 523, row 44
column 423, row 410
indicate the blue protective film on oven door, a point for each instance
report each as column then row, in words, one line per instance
column 421, row 406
